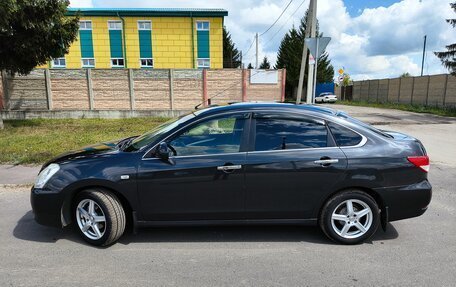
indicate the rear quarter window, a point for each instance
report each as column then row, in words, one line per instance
column 344, row 136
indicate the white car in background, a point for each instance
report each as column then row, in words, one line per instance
column 326, row 98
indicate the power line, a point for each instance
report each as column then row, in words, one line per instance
column 250, row 47
column 283, row 11
column 281, row 27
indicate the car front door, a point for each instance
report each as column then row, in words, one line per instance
column 292, row 162
column 204, row 180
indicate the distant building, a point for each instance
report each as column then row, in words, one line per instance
column 146, row 38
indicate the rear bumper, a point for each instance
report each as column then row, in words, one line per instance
column 46, row 207
column 406, row 201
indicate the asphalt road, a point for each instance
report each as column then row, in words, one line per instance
column 414, row 252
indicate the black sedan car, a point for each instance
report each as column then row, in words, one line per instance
column 240, row 164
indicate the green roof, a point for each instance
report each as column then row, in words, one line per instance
column 144, row 12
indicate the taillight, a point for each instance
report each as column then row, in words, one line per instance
column 420, row 161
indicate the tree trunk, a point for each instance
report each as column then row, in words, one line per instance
column 1, row 123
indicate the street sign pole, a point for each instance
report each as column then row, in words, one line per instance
column 315, row 73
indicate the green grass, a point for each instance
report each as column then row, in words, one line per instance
column 448, row 112
column 36, row 141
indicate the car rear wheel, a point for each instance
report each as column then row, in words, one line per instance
column 99, row 216
column 350, row 217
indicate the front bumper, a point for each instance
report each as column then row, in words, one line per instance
column 46, row 206
column 406, row 201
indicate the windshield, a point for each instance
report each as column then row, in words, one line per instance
column 152, row 135
column 363, row 124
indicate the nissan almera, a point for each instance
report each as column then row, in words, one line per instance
column 240, row 164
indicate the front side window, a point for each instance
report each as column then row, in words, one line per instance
column 115, row 25
column 204, row 63
column 117, row 62
column 147, row 63
column 59, row 63
column 215, row 136
column 285, row 134
column 88, row 62
column 344, row 136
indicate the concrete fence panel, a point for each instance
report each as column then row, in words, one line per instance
column 373, row 86
column 450, row 95
column 69, row 90
column 383, row 86
column 110, row 89
column 264, row 92
column 393, row 90
column 364, row 96
column 406, row 90
column 27, row 92
column 152, row 89
column 224, row 86
column 356, row 91
column 188, row 89
column 436, row 90
column 420, row 90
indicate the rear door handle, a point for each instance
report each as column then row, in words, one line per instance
column 326, row 161
column 229, row 167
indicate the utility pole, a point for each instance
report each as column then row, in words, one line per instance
column 311, row 78
column 424, row 53
column 304, row 54
column 256, row 53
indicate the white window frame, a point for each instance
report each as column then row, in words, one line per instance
column 144, row 22
column 204, row 60
column 59, row 65
column 145, row 59
column 87, row 66
column 202, row 28
column 117, row 65
column 85, row 22
column 116, row 22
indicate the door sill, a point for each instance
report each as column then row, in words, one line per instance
column 311, row 221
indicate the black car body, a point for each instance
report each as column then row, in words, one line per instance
column 263, row 163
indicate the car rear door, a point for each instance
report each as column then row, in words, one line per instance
column 204, row 180
column 292, row 161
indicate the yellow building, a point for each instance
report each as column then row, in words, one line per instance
column 146, row 38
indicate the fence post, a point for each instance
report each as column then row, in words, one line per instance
column 413, row 90
column 445, row 90
column 47, row 78
column 244, row 85
column 131, row 89
column 284, row 78
column 427, row 89
column 171, row 89
column 388, row 91
column 205, row 98
column 90, row 88
column 6, row 103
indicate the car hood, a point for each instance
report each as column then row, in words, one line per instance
column 95, row 150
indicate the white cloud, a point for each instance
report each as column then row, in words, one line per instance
column 379, row 42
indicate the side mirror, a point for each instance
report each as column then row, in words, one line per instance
column 164, row 152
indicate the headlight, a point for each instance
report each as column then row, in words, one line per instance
column 46, row 174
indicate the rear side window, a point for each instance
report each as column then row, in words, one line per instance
column 344, row 136
column 280, row 134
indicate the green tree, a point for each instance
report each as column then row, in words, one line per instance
column 405, row 75
column 33, row 32
column 265, row 64
column 448, row 57
column 231, row 55
column 250, row 66
column 289, row 57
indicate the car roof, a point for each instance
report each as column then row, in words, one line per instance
column 246, row 106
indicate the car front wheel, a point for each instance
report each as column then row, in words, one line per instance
column 350, row 217
column 99, row 216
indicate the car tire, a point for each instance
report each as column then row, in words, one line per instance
column 350, row 217
column 99, row 217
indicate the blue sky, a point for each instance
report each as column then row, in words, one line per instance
column 356, row 7
column 370, row 38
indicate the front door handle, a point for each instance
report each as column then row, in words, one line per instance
column 326, row 161
column 229, row 167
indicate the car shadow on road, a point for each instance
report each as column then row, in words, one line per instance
column 28, row 229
